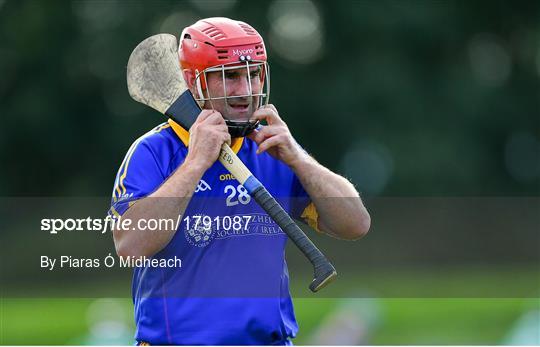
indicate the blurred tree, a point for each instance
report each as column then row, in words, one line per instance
column 423, row 97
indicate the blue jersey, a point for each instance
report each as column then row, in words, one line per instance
column 233, row 286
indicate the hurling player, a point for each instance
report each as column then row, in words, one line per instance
column 233, row 285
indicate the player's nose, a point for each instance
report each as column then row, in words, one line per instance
column 242, row 86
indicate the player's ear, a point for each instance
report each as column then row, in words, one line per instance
column 189, row 77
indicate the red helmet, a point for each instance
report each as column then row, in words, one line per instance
column 216, row 44
column 218, row 41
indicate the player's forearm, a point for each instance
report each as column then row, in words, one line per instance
column 341, row 211
column 165, row 204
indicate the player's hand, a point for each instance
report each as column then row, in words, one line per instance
column 275, row 138
column 206, row 136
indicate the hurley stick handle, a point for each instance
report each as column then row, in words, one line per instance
column 323, row 270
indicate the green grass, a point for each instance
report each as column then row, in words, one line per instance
column 402, row 321
column 448, row 321
column 428, row 321
column 42, row 321
column 392, row 321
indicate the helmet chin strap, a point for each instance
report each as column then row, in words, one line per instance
column 241, row 128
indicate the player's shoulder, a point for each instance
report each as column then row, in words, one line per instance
column 160, row 143
column 159, row 138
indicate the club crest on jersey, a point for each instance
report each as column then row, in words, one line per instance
column 202, row 186
column 199, row 234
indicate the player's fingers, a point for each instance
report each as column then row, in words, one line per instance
column 264, row 113
column 258, row 135
column 271, row 106
column 204, row 115
column 275, row 112
column 267, row 113
column 268, row 131
column 226, row 138
column 222, row 127
column 214, row 118
column 218, row 131
column 209, row 118
column 253, row 135
column 269, row 143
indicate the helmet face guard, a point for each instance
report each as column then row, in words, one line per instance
column 256, row 96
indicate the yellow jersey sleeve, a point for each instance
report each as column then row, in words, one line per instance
column 311, row 216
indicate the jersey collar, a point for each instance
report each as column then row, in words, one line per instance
column 183, row 134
